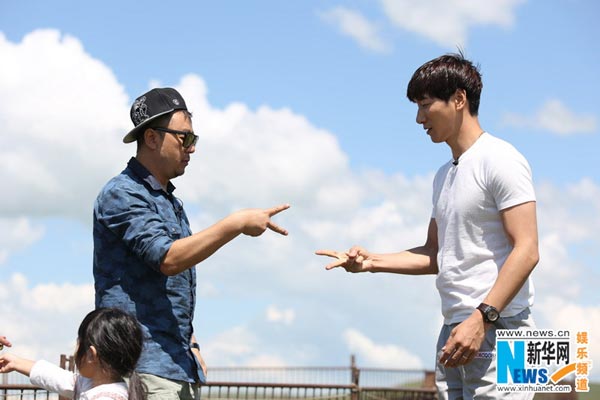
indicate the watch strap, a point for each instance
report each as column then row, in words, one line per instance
column 485, row 309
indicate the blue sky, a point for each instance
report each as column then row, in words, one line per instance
column 299, row 102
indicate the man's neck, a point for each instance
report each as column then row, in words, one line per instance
column 468, row 134
column 151, row 167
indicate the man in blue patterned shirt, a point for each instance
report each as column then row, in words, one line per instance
column 145, row 252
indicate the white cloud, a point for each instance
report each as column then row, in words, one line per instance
column 229, row 346
column 285, row 316
column 562, row 313
column 41, row 320
column 566, row 281
column 259, row 159
column 446, row 22
column 555, row 117
column 568, row 217
column 380, row 355
column 16, row 234
column 573, row 210
column 69, row 117
column 353, row 24
column 207, row 289
column 63, row 298
column 237, row 346
column 555, row 268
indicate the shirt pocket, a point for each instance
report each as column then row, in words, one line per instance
column 174, row 230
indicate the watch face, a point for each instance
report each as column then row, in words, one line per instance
column 492, row 315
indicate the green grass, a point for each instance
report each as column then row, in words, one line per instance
column 593, row 394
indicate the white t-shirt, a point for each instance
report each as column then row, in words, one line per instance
column 55, row 379
column 490, row 176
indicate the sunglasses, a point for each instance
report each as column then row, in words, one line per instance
column 189, row 138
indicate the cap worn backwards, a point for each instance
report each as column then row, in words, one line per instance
column 151, row 105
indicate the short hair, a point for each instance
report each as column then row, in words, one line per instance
column 443, row 76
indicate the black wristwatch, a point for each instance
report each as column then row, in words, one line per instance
column 195, row 345
column 490, row 313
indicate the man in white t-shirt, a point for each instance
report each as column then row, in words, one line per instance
column 482, row 240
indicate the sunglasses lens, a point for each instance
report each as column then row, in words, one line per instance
column 189, row 140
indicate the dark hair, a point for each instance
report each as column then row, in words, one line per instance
column 160, row 122
column 443, row 76
column 118, row 340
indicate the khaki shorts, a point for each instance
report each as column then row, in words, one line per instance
column 167, row 389
column 477, row 379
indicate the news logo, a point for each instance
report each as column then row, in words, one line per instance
column 542, row 360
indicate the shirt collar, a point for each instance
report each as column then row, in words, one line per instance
column 143, row 173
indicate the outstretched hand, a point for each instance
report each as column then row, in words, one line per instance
column 258, row 220
column 342, row 258
column 355, row 260
column 7, row 363
column 11, row 362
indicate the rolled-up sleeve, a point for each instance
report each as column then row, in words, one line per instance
column 138, row 224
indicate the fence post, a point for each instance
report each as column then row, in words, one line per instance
column 429, row 381
column 355, row 391
column 67, row 363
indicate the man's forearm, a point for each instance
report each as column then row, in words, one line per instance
column 187, row 252
column 417, row 261
column 512, row 276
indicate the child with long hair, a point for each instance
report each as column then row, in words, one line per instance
column 109, row 345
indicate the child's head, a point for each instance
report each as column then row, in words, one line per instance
column 116, row 337
column 441, row 77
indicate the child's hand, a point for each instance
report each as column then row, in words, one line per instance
column 10, row 362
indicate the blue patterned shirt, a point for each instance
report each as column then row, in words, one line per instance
column 135, row 224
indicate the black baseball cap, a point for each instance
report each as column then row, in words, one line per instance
column 151, row 105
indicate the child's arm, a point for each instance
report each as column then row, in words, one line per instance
column 53, row 378
column 10, row 362
column 41, row 373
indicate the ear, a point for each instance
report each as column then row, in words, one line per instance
column 92, row 354
column 152, row 139
column 460, row 99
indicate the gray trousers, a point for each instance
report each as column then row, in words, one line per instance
column 477, row 379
